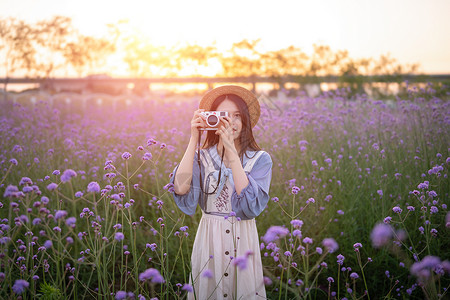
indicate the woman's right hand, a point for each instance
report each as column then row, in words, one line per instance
column 197, row 122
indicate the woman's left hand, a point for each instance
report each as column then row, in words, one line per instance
column 226, row 133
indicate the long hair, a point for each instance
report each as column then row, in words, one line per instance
column 246, row 139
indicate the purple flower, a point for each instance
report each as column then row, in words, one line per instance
column 147, row 156
column 297, row 223
column 310, row 200
column 274, row 233
column 380, row 192
column 67, row 175
column 151, row 246
column 422, row 268
column 330, row 279
column 434, row 210
column 60, row 214
column 354, row 275
column 126, row 155
column 330, row 244
column 25, row 181
column 10, row 191
column 207, row 273
column 340, row 212
column 241, row 262
column 93, row 187
column 188, row 288
column 381, row 234
column 297, row 233
column 119, row 236
column 295, row 190
column 340, row 259
column 397, row 210
column 120, row 295
column 79, row 194
column 151, row 274
column 307, row 240
column 424, row 185
column 52, row 186
column 20, row 286
column 356, row 246
column 71, row 222
column 48, row 244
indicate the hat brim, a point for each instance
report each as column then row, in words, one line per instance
column 249, row 98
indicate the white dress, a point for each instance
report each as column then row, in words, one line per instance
column 219, row 241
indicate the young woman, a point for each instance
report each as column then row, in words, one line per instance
column 229, row 178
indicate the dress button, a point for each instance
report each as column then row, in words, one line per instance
column 227, row 231
column 226, row 252
column 225, row 295
column 226, row 274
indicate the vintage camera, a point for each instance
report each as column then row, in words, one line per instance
column 213, row 118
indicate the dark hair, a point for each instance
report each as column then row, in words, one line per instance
column 246, row 139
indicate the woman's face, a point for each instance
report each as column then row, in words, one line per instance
column 234, row 114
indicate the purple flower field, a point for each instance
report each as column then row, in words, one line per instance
column 359, row 209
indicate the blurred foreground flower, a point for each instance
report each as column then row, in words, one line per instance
column 20, row 286
column 274, row 233
column 151, row 274
column 381, row 234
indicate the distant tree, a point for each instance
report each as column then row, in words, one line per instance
column 286, row 61
column 86, row 52
column 194, row 56
column 50, row 42
column 41, row 48
column 145, row 59
column 243, row 59
column 16, row 46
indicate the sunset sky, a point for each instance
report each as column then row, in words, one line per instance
column 413, row 31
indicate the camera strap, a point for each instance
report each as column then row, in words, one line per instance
column 200, row 168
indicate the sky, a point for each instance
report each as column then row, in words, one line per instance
column 412, row 31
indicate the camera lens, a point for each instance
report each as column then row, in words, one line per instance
column 212, row 120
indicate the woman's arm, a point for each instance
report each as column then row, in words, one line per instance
column 183, row 176
column 254, row 197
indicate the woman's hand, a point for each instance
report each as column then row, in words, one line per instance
column 226, row 134
column 197, row 122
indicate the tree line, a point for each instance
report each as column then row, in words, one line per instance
column 49, row 47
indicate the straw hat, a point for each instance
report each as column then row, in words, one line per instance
column 248, row 97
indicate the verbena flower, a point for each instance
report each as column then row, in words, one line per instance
column 151, row 274
column 381, row 235
column 67, row 175
column 20, row 286
column 120, row 295
column 188, row 288
column 274, row 233
column 119, row 236
column 330, row 244
column 207, row 273
column 126, row 155
column 60, row 214
column 340, row 259
column 52, row 186
column 93, row 187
